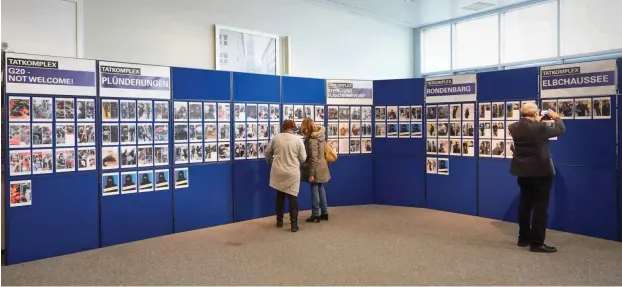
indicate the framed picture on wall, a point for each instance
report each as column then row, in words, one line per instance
column 240, row 50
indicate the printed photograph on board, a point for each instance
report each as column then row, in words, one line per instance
column 443, row 166
column 381, row 130
column 181, row 133
column 454, row 130
column 443, row 146
column 211, row 132
column 288, row 112
column 110, row 134
column 263, row 131
column 602, row 108
column 485, row 130
column 110, row 157
column 42, row 109
column 299, row 113
column 145, row 155
column 210, row 113
column 128, row 156
column 262, row 146
column 275, row 112
column 431, row 165
column 128, row 110
column 128, row 182
column 251, row 150
column 65, row 159
column 355, row 129
column 566, row 108
column 20, row 193
column 195, row 111
column 110, row 182
column 456, row 147
column 468, row 112
column 392, row 130
column 309, row 112
column 144, row 133
column 64, row 110
column 239, row 150
column 498, row 148
column 41, row 135
column 498, row 111
column 196, row 152
column 251, row 131
column 19, row 135
column 344, row 130
column 468, row 148
column 86, row 134
column 355, row 113
column 456, row 112
column 110, row 110
column 85, row 110
column 210, row 152
column 404, row 113
column 344, row 113
column 485, row 112
column 485, row 148
column 65, row 135
column 404, row 130
column 161, row 179
column 263, row 112
column 251, row 112
column 333, row 113
column 430, row 113
column 498, row 130
column 392, row 113
column 431, row 147
column 443, row 112
column 240, row 131
column 334, row 144
column 512, row 110
column 468, row 129
column 381, row 113
column 549, row 105
column 366, row 113
column 42, row 161
column 20, row 162
column 180, row 111
column 224, row 150
column 181, row 154
column 195, row 132
column 160, row 155
column 224, row 112
column 416, row 130
column 333, row 130
column 366, row 146
column 224, row 131
column 366, row 129
column 87, row 158
column 181, row 178
column 161, row 111
column 416, row 113
column 128, row 133
column 583, row 108
column 146, row 181
column 19, row 109
column 431, row 129
column 509, row 149
column 508, row 135
column 443, row 129
column 239, row 112
column 145, row 110
column 355, row 146
column 344, row 146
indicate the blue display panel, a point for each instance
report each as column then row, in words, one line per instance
column 399, row 180
column 50, row 154
column 349, row 185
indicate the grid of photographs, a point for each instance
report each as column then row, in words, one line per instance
column 254, row 125
column 495, row 140
column 450, row 129
column 585, row 108
column 134, row 133
column 434, row 165
column 115, row 183
column 202, row 132
column 399, row 121
column 350, row 129
column 45, row 131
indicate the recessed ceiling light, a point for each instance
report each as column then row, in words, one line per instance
column 478, row 6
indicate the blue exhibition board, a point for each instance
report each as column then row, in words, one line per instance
column 498, row 191
column 207, row 200
column 252, row 195
column 399, row 163
column 619, row 175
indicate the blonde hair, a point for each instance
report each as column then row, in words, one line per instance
column 307, row 127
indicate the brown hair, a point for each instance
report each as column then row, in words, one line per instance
column 289, row 125
column 307, row 127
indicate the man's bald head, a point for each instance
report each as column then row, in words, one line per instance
column 529, row 110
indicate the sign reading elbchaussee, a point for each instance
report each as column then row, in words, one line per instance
column 461, row 88
column 349, row 92
column 34, row 74
column 122, row 80
column 578, row 80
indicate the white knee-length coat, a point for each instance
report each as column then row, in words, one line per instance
column 285, row 154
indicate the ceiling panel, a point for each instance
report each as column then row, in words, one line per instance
column 417, row 13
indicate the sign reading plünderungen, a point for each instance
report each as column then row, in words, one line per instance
column 578, row 80
column 461, row 88
column 349, row 92
column 33, row 74
column 121, row 80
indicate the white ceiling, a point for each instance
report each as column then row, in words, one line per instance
column 413, row 13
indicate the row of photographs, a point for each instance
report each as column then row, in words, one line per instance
column 435, row 165
column 399, row 130
column 399, row 113
column 132, row 110
column 349, row 113
column 116, row 183
column 466, row 147
column 45, row 109
column 450, row 112
column 349, row 129
column 580, row 108
column 22, row 135
column 247, row 112
column 44, row 161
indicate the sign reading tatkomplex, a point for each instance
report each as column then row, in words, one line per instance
column 33, row 74
column 349, row 92
column 121, row 80
column 461, row 88
column 578, row 80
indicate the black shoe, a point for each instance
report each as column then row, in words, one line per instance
column 543, row 248
column 294, row 226
column 279, row 223
column 523, row 243
column 293, row 216
column 313, row 219
column 324, row 217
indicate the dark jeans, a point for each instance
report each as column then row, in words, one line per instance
column 534, row 196
column 280, row 205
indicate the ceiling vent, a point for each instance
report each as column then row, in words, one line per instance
column 478, row 6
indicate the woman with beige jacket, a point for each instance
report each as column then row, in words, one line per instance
column 285, row 153
column 315, row 168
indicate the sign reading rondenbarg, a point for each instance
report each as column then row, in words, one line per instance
column 461, row 88
column 33, row 74
column 122, row 80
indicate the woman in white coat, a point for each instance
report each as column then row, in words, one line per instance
column 285, row 154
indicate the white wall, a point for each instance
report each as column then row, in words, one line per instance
column 325, row 43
